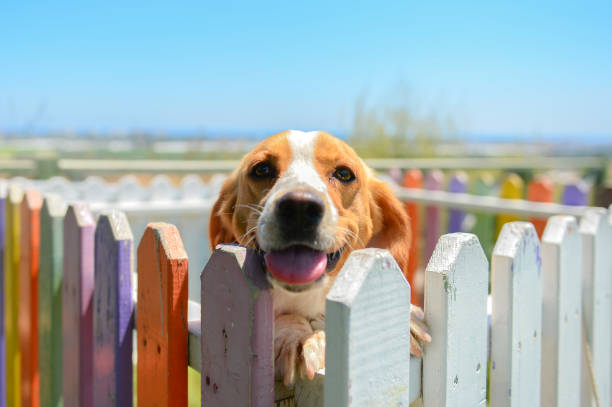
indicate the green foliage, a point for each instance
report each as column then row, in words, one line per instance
column 398, row 129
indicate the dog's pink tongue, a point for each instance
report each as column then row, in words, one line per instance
column 296, row 265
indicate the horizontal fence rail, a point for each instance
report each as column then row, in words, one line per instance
column 487, row 204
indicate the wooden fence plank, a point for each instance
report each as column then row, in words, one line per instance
column 561, row 310
column 413, row 178
column 596, row 233
column 433, row 182
column 77, row 306
column 50, row 300
column 575, row 193
column 113, row 306
column 367, row 332
column 237, row 330
column 456, row 288
column 540, row 189
column 511, row 188
column 161, row 325
column 11, row 301
column 484, row 226
column 28, row 297
column 516, row 320
column 3, row 232
column 457, row 184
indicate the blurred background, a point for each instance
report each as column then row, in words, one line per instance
column 145, row 106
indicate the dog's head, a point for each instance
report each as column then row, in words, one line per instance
column 306, row 200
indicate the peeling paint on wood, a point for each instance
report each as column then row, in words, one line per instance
column 368, row 333
column 561, row 312
column 113, row 307
column 77, row 306
column 596, row 233
column 11, row 283
column 50, row 300
column 456, row 287
column 162, row 321
column 237, row 330
column 29, row 266
column 516, row 322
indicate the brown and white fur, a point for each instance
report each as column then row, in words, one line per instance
column 306, row 172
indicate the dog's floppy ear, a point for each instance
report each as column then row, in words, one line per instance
column 220, row 228
column 390, row 223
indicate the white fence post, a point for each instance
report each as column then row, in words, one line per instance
column 596, row 233
column 516, row 320
column 368, row 333
column 456, row 288
column 561, row 310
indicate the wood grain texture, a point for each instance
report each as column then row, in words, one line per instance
column 516, row 320
column 3, row 232
column 237, row 330
column 484, row 226
column 561, row 312
column 29, row 266
column 540, row 189
column 456, row 288
column 368, row 333
column 162, row 317
column 458, row 183
column 113, row 308
column 413, row 178
column 433, row 182
column 77, row 306
column 11, row 301
column 511, row 188
column 596, row 233
column 50, row 300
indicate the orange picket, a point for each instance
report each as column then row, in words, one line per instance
column 414, row 179
column 540, row 189
column 28, row 297
column 161, row 324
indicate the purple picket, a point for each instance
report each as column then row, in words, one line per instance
column 113, row 308
column 3, row 194
column 396, row 175
column 77, row 306
column 237, row 330
column 458, row 184
column 576, row 193
column 433, row 181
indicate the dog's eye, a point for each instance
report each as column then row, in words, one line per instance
column 263, row 170
column 344, row 174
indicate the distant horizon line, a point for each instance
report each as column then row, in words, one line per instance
column 257, row 134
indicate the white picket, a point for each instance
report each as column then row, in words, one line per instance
column 596, row 233
column 368, row 333
column 456, row 288
column 516, row 320
column 561, row 326
column 162, row 189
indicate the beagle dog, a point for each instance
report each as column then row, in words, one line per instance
column 305, row 201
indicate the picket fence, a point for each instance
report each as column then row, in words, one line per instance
column 62, row 265
column 477, row 206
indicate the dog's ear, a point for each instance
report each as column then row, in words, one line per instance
column 220, row 228
column 391, row 225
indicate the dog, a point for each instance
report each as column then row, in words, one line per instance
column 305, row 201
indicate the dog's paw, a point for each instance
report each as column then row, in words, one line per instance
column 418, row 331
column 299, row 351
column 313, row 354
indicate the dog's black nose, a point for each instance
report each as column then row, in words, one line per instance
column 299, row 212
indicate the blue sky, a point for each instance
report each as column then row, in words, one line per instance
column 496, row 67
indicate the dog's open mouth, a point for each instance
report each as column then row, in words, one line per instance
column 299, row 264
